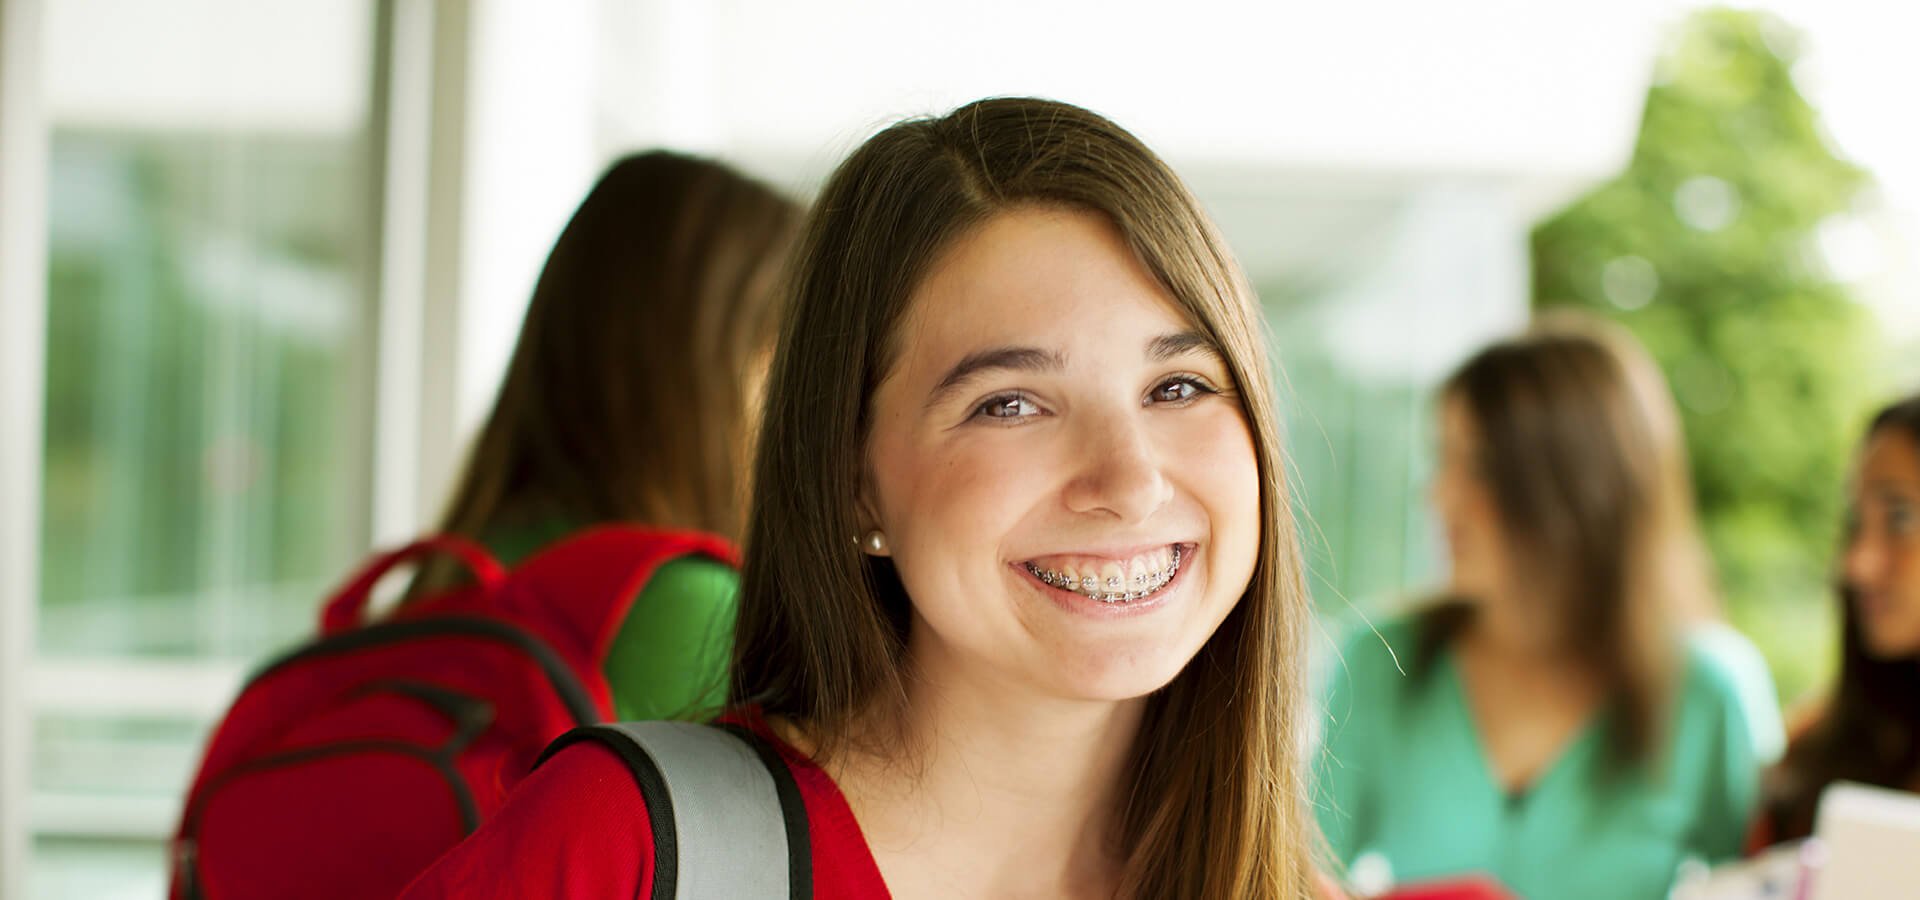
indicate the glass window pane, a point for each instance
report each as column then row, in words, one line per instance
column 209, row 329
column 212, row 237
column 97, row 869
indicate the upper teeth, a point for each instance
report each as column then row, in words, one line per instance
column 1110, row 584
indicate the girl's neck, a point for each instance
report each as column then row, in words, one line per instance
column 980, row 790
column 1511, row 648
column 1515, row 628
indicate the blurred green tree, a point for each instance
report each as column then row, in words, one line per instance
column 1704, row 248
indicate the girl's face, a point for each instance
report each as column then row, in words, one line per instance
column 1061, row 467
column 1881, row 563
column 1476, row 546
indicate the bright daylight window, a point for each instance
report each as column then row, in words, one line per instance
column 211, row 236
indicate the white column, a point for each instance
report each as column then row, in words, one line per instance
column 659, row 76
column 23, row 331
column 530, row 157
column 510, row 154
column 421, row 123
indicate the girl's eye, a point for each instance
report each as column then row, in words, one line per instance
column 1179, row 389
column 1005, row 407
column 1900, row 518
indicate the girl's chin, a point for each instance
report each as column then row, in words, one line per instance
column 1888, row 648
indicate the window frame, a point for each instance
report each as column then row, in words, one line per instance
column 23, row 184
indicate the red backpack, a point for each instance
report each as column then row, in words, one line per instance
column 349, row 765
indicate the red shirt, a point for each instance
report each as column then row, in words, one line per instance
column 578, row 828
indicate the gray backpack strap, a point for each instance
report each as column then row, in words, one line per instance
column 727, row 816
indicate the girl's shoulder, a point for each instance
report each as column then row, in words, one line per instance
column 1379, row 655
column 1727, row 679
column 1369, row 674
column 1388, row 640
column 576, row 827
column 580, row 826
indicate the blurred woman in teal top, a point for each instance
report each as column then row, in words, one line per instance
column 1568, row 719
column 631, row 397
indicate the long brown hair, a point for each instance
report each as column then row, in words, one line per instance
column 629, row 396
column 1582, row 452
column 1870, row 731
column 1218, row 804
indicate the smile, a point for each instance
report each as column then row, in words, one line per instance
column 1110, row 581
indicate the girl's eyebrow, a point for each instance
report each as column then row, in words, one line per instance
column 1168, row 346
column 1888, row 489
column 973, row 365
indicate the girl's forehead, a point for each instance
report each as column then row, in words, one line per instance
column 1892, row 456
column 1055, row 276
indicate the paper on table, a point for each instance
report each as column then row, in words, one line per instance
column 1776, row 873
column 1871, row 841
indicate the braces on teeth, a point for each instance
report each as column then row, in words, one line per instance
column 1109, row 591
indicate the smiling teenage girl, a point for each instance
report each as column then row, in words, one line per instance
column 1022, row 608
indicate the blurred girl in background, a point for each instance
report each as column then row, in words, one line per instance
column 1567, row 718
column 1869, row 729
column 631, row 398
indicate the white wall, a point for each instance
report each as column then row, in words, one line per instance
column 168, row 66
column 510, row 150
column 1483, row 86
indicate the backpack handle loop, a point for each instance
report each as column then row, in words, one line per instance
column 343, row 612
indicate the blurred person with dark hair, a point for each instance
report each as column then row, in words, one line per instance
column 1868, row 730
column 631, row 398
column 1570, row 719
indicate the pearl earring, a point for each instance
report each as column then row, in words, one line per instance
column 874, row 543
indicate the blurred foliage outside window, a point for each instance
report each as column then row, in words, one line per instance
column 206, row 414
column 207, row 332
column 1705, row 248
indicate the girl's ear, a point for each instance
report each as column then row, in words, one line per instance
column 872, row 538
